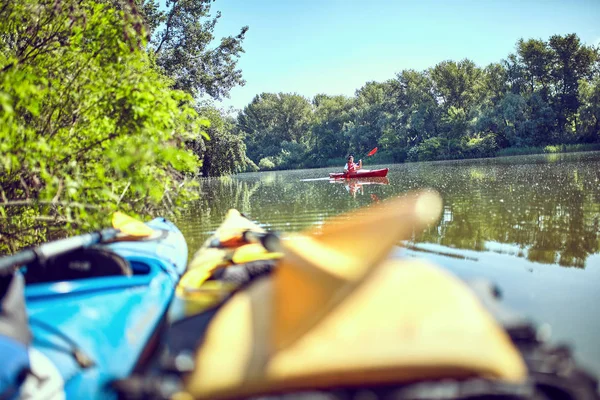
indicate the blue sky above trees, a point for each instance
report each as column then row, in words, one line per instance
column 336, row 46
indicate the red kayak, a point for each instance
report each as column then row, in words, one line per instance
column 361, row 173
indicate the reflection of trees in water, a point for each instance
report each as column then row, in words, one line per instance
column 550, row 212
column 277, row 201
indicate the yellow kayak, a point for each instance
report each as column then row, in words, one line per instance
column 324, row 309
column 232, row 256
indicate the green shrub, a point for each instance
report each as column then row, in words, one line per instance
column 550, row 149
column 87, row 124
column 429, row 149
column 519, row 151
column 481, row 146
column 554, row 149
column 266, row 163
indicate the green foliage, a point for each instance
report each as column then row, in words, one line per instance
column 368, row 117
column 271, row 119
column 225, row 152
column 519, row 151
column 554, row 149
column 331, row 114
column 572, row 62
column 589, row 110
column 535, row 60
column 458, row 84
column 480, row 146
column 181, row 39
column 87, row 125
column 266, row 163
column 429, row 149
column 551, row 149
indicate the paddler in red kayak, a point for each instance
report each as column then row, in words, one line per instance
column 351, row 166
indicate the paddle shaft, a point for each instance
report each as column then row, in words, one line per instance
column 55, row 248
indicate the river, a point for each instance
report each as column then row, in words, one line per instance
column 530, row 224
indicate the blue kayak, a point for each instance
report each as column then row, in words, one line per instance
column 95, row 313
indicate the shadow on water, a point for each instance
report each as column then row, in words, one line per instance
column 528, row 223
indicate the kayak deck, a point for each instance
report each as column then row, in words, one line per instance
column 107, row 319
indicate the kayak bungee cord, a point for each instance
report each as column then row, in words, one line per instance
column 123, row 224
column 75, row 351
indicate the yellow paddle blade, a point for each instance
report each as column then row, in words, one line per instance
column 336, row 313
column 191, row 301
column 409, row 321
column 209, row 259
column 130, row 225
column 322, row 266
column 253, row 252
column 192, row 279
column 204, row 264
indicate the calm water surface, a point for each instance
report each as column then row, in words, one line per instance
column 530, row 224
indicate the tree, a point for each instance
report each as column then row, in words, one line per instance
column 330, row 117
column 87, row 126
column 225, row 152
column 515, row 74
column 271, row 120
column 495, row 83
column 412, row 113
column 181, row 40
column 369, row 116
column 457, row 84
column 536, row 58
column 572, row 61
column 589, row 110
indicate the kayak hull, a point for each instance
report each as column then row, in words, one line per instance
column 373, row 173
column 111, row 320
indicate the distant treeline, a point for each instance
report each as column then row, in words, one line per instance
column 543, row 97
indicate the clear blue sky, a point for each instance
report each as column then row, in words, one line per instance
column 336, row 46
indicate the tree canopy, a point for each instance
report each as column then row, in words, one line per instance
column 181, row 39
column 544, row 94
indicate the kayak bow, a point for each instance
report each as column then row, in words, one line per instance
column 93, row 312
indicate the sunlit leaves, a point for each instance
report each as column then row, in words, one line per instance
column 589, row 110
column 87, row 125
column 182, row 42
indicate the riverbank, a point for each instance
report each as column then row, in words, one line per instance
column 386, row 158
column 563, row 148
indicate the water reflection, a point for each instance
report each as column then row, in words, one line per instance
column 548, row 212
column 544, row 209
column 514, row 220
column 354, row 186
